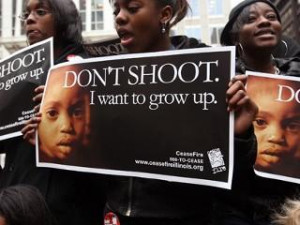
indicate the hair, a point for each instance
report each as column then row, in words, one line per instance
column 289, row 214
column 239, row 23
column 180, row 9
column 24, row 205
column 67, row 21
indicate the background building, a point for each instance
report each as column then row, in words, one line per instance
column 290, row 17
column 205, row 22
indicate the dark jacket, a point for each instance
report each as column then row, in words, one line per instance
column 287, row 67
column 147, row 198
column 73, row 198
column 254, row 199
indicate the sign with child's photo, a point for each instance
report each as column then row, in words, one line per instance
column 156, row 115
column 277, row 125
column 20, row 74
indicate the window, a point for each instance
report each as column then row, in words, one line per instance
column 23, row 32
column 215, row 34
column 195, row 8
column 82, row 12
column 194, row 32
column 14, row 17
column 0, row 18
column 215, row 7
column 97, row 14
column 91, row 12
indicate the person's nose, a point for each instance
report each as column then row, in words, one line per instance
column 121, row 18
column 276, row 135
column 263, row 21
column 66, row 124
column 31, row 18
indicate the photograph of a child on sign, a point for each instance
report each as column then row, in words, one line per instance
column 277, row 124
column 64, row 130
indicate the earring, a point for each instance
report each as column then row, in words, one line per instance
column 240, row 49
column 286, row 47
column 163, row 28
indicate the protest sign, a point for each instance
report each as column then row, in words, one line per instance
column 159, row 115
column 277, row 125
column 104, row 48
column 20, row 74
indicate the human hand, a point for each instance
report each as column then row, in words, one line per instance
column 38, row 97
column 30, row 127
column 239, row 102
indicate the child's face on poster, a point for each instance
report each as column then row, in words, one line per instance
column 65, row 117
column 277, row 128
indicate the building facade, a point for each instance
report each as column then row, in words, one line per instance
column 205, row 22
column 290, row 17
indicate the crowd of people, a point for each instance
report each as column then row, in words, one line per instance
column 34, row 195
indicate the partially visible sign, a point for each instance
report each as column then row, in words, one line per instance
column 20, row 74
column 277, row 125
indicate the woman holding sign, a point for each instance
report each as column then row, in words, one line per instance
column 254, row 27
column 73, row 198
column 144, row 26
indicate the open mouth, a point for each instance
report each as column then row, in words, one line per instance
column 265, row 32
column 125, row 37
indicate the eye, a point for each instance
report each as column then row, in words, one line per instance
column 293, row 126
column 77, row 112
column 116, row 11
column 52, row 114
column 41, row 12
column 133, row 7
column 260, row 123
column 24, row 15
column 271, row 16
column 251, row 19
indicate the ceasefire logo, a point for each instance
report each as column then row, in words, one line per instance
column 216, row 160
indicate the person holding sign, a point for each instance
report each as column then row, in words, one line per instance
column 254, row 27
column 73, row 198
column 144, row 26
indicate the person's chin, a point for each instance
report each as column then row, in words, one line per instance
column 34, row 37
column 267, row 162
column 132, row 47
column 64, row 151
column 32, row 41
column 271, row 43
